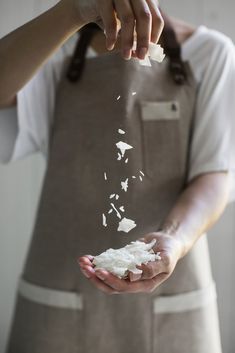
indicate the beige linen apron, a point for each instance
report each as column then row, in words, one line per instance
column 58, row 310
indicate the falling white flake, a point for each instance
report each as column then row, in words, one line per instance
column 104, row 220
column 141, row 172
column 126, row 225
column 126, row 161
column 105, row 176
column 119, row 156
column 124, row 185
column 122, row 208
column 121, row 132
column 118, row 98
column 133, row 93
column 112, row 196
column 118, row 214
column 110, row 211
column 133, row 177
column 123, row 146
column 117, row 197
column 141, row 179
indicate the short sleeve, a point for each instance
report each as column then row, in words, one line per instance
column 8, row 133
column 35, row 107
column 213, row 141
column 36, row 103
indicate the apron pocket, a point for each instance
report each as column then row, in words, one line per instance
column 186, row 323
column 47, row 320
column 161, row 137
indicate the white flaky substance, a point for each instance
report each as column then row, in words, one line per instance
column 123, row 146
column 120, row 261
column 155, row 53
column 126, row 225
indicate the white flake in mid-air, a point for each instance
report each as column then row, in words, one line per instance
column 118, row 214
column 121, row 132
column 126, row 225
column 123, row 146
column 124, row 185
column 104, row 220
column 122, row 208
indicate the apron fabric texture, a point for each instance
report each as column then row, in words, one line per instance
column 57, row 309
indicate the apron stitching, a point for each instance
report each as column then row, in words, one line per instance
column 185, row 302
column 50, row 297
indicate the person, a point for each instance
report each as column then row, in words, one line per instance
column 179, row 122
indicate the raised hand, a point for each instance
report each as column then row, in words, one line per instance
column 140, row 18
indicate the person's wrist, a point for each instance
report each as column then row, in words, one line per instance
column 174, row 230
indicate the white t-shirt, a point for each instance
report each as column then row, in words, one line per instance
column 212, row 59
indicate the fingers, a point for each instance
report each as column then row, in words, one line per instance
column 102, row 286
column 125, row 286
column 110, row 284
column 143, row 26
column 142, row 15
column 109, row 19
column 126, row 17
column 134, row 277
column 157, row 20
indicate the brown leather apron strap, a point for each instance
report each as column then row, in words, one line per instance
column 172, row 49
column 77, row 63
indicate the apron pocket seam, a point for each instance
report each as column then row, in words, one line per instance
column 185, row 302
column 50, row 297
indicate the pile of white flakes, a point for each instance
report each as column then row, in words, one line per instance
column 120, row 261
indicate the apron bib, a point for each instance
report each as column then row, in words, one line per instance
column 58, row 310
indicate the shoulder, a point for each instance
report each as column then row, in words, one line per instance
column 206, row 48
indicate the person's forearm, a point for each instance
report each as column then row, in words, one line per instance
column 24, row 50
column 198, row 208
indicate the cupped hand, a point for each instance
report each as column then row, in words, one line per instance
column 142, row 16
column 154, row 272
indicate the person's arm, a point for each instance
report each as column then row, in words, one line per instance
column 23, row 51
column 196, row 210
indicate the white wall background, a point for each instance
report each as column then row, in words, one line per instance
column 20, row 182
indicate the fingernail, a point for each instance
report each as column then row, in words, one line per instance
column 142, row 52
column 87, row 275
column 110, row 46
column 100, row 275
column 126, row 54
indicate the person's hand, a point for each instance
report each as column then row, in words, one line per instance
column 154, row 272
column 142, row 16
